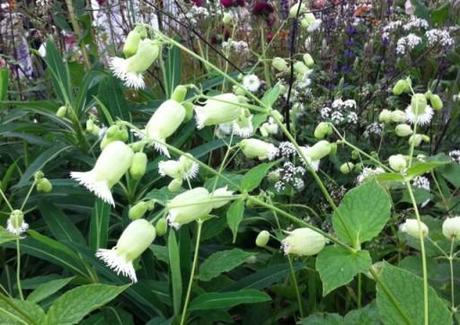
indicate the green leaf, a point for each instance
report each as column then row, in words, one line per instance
column 337, row 266
column 75, row 304
column 368, row 315
column 14, row 311
column 322, row 319
column 222, row 261
column 234, row 216
column 59, row 71
column 176, row 277
column 110, row 93
column 271, row 95
column 99, row 225
column 440, row 14
column 3, row 83
column 220, row 300
column 39, row 162
column 6, row 236
column 173, row 69
column 252, row 179
column 362, row 214
column 59, row 224
column 400, row 299
column 46, row 289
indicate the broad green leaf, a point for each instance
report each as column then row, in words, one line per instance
column 110, row 93
column 221, row 300
column 234, row 216
column 3, row 83
column 6, row 236
column 173, row 69
column 368, row 315
column 271, row 95
column 362, row 214
column 99, row 225
column 252, row 179
column 176, row 276
column 451, row 173
column 59, row 71
column 322, row 319
column 222, row 261
column 337, row 266
column 14, row 311
column 400, row 299
column 59, row 224
column 75, row 304
column 46, row 289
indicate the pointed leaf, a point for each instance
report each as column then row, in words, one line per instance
column 220, row 300
column 222, row 261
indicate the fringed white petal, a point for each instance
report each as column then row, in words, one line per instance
column 119, row 67
column 16, row 231
column 200, row 117
column 159, row 146
column 243, row 131
column 134, row 80
column 117, row 263
column 192, row 172
column 171, row 220
column 99, row 188
column 420, row 119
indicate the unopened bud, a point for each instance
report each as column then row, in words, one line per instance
column 262, row 238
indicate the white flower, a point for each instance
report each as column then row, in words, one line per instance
column 451, row 228
column 113, row 162
column 455, row 155
column 411, row 227
column 220, row 197
column 242, row 126
column 251, row 83
column 303, row 242
column 369, row 172
column 254, row 148
column 219, row 109
column 134, row 240
column 16, row 224
column 183, row 168
column 421, row 118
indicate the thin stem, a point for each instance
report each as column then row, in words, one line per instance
column 192, row 272
column 77, row 30
column 6, row 200
column 443, row 198
column 294, row 281
column 422, row 250
column 28, row 195
column 451, row 265
column 18, row 269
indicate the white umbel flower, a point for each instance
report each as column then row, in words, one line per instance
column 163, row 123
column 134, row 240
column 113, row 162
column 16, row 224
column 251, row 83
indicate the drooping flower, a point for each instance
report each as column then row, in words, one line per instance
column 451, row 228
column 254, row 148
column 188, row 206
column 419, row 112
column 134, row 240
column 242, row 126
column 163, row 123
column 303, row 242
column 397, row 162
column 219, row 109
column 183, row 168
column 403, row 130
column 368, row 172
column 16, row 224
column 270, row 127
column 220, row 197
column 113, row 162
column 131, row 70
column 133, row 40
column 411, row 227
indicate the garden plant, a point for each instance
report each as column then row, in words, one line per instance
column 230, row 162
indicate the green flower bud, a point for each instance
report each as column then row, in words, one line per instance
column 403, row 130
column 131, row 43
column 189, row 206
column 411, row 227
column 175, row 185
column 188, row 106
column 116, row 132
column 221, row 197
column 355, row 154
column 397, row 162
column 113, row 162
column 44, row 185
column 323, row 130
column 295, row 8
column 402, row 86
column 254, row 148
column 451, row 228
column 418, row 104
column 38, row 175
column 309, row 22
column 134, row 240
column 301, row 69
column 398, row 116
column 385, row 116
column 227, row 19
column 436, row 102
column 92, row 128
column 359, row 167
column 219, row 109
column 179, row 93
column 417, row 139
column 161, row 227
column 62, row 111
column 138, row 165
column 164, row 122
column 308, row 59
column 262, row 238
column 303, row 242
column 347, row 167
column 138, row 210
column 280, row 64
column 15, row 223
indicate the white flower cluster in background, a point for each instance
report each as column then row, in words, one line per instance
column 455, row 155
column 415, row 23
column 290, row 174
column 340, row 112
column 374, row 128
column 239, row 47
column 194, row 15
column 438, row 36
column 407, row 43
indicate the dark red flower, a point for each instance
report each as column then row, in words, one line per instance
column 262, row 8
column 232, row 3
column 198, row 3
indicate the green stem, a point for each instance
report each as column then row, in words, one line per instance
column 192, row 272
column 76, row 28
column 422, row 249
column 6, row 200
column 18, row 269
column 451, row 266
column 28, row 195
column 294, row 282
